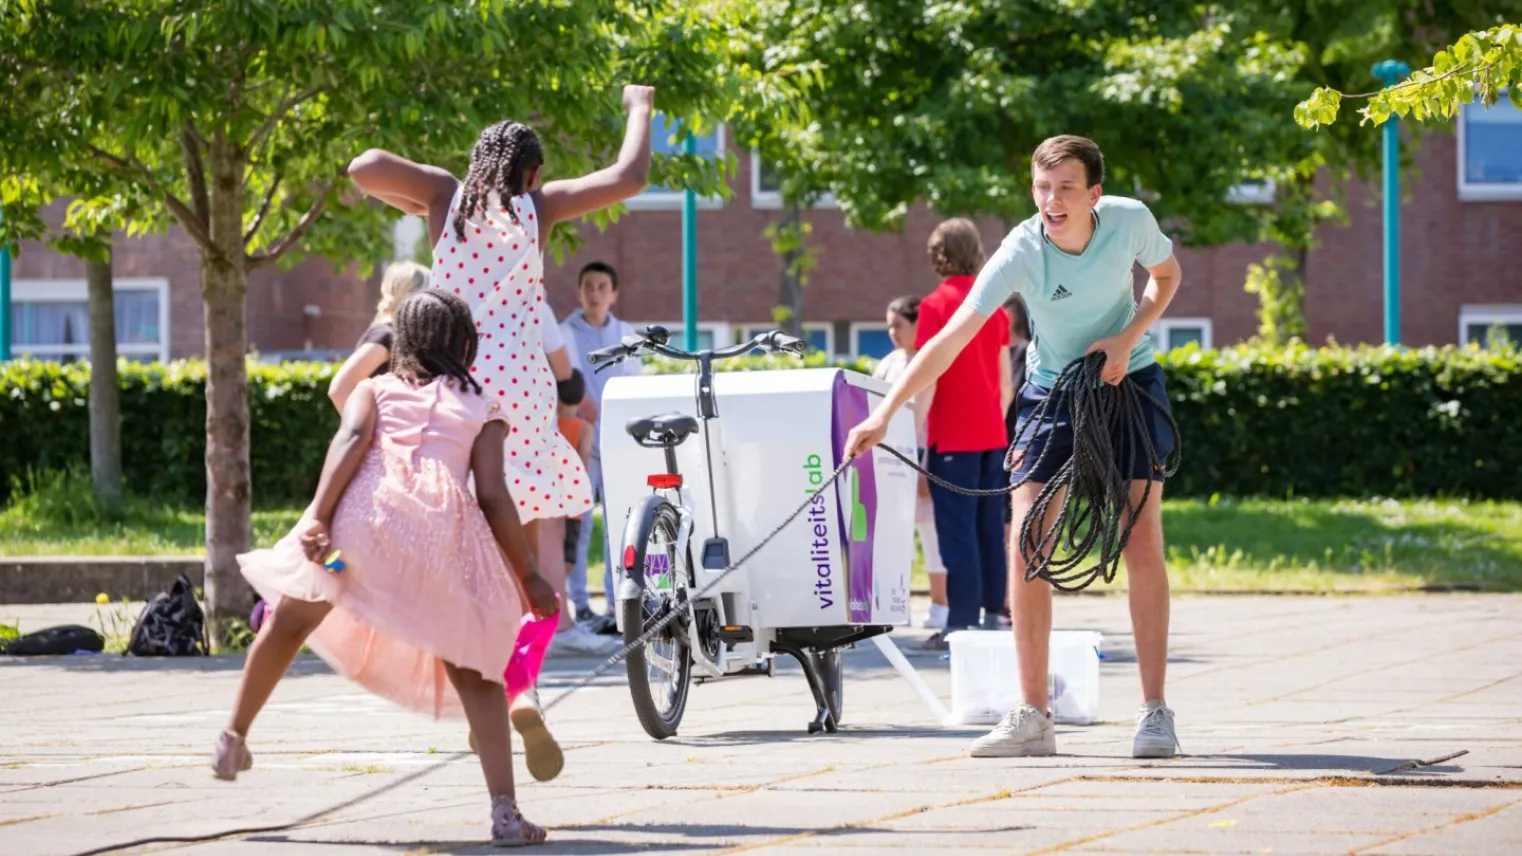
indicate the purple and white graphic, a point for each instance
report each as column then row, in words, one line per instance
column 856, row 497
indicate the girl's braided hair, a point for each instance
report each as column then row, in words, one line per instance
column 498, row 163
column 435, row 337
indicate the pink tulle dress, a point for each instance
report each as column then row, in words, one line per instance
column 424, row 581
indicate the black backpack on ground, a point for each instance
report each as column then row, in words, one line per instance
column 171, row 625
column 54, row 641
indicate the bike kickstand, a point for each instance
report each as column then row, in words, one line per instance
column 823, row 720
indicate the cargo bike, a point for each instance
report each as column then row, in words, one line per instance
column 686, row 492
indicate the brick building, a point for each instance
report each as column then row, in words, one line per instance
column 1461, row 220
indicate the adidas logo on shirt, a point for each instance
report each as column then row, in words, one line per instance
column 1061, row 293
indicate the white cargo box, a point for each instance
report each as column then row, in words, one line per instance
column 846, row 559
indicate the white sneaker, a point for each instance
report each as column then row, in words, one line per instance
column 582, row 641
column 936, row 620
column 1025, row 732
column 1155, row 737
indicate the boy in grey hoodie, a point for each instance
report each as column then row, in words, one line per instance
column 586, row 329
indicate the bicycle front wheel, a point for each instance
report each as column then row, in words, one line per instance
column 660, row 672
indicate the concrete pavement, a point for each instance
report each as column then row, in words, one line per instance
column 1306, row 722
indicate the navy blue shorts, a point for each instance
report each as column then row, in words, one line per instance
column 1055, row 438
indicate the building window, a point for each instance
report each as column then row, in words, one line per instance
column 766, row 186
column 1170, row 333
column 663, row 141
column 50, row 319
column 710, row 334
column 820, row 336
column 1490, row 326
column 870, row 340
column 1258, row 192
column 1490, row 152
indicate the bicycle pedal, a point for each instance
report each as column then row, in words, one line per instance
column 736, row 633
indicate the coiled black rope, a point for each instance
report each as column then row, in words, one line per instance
column 1109, row 436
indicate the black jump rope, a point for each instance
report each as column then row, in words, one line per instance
column 1110, row 434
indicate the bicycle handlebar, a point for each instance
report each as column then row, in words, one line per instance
column 654, row 340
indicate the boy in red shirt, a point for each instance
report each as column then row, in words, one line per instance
column 966, row 439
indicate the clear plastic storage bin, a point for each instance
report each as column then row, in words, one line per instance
column 985, row 677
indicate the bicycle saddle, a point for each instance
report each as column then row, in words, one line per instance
column 668, row 429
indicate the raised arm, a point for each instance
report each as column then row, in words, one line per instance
column 570, row 198
column 411, row 187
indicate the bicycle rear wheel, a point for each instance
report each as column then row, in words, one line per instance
column 660, row 673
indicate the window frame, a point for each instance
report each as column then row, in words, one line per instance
column 863, row 326
column 1253, row 192
column 669, row 200
column 77, row 290
column 1166, row 325
column 771, row 200
column 1476, row 191
column 1487, row 314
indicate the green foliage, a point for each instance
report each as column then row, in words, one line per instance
column 1256, row 421
column 44, row 418
column 1348, row 421
column 1281, row 300
column 1479, row 66
column 765, row 362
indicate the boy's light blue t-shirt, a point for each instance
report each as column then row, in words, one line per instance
column 1074, row 301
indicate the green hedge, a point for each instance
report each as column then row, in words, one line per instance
column 44, row 420
column 1303, row 421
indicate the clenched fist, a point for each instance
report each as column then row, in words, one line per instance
column 638, row 97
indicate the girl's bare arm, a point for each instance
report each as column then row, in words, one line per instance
column 359, row 366
column 571, row 198
column 414, row 188
column 346, row 452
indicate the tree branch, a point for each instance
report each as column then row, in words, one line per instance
column 264, row 209
column 259, row 260
column 278, row 113
column 1410, row 83
column 195, row 172
column 195, row 226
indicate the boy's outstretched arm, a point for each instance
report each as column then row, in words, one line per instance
column 928, row 365
column 570, row 198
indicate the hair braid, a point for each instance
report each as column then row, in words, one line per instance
column 501, row 158
column 435, row 337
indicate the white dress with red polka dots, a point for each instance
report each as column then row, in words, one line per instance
column 499, row 269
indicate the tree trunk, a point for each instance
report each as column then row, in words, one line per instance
column 105, row 391
column 790, row 290
column 224, row 282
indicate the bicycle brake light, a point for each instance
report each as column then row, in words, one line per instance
column 664, row 481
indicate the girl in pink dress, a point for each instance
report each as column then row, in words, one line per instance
column 425, row 609
column 488, row 234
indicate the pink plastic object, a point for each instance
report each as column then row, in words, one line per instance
column 534, row 638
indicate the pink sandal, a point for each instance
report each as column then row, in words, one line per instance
column 509, row 829
column 231, row 758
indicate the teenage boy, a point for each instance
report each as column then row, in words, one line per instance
column 586, row 329
column 1072, row 264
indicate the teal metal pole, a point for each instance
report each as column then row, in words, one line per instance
column 690, row 260
column 1392, row 72
column 5, row 299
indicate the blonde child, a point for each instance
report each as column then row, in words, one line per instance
column 425, row 608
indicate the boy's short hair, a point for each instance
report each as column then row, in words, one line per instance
column 598, row 267
column 573, row 389
column 1055, row 150
column 956, row 248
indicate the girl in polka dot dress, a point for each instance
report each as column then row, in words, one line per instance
column 488, row 234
